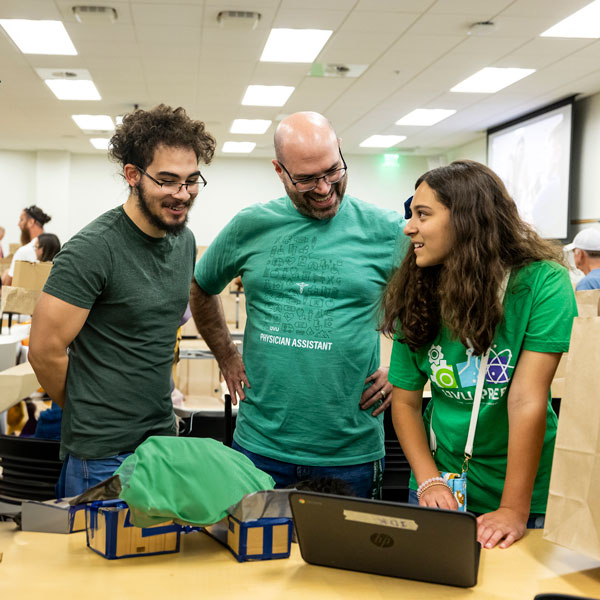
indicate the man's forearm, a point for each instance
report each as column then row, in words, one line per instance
column 51, row 373
column 209, row 317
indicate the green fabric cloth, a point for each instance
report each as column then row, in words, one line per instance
column 312, row 291
column 137, row 289
column 191, row 480
column 539, row 308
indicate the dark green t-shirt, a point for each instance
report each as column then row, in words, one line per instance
column 312, row 290
column 539, row 306
column 136, row 288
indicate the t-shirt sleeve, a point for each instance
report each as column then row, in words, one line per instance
column 80, row 271
column 218, row 265
column 552, row 312
column 585, row 284
column 402, row 243
column 404, row 371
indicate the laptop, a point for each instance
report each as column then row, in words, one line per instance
column 387, row 538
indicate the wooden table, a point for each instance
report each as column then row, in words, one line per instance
column 53, row 567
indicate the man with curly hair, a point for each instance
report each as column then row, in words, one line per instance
column 104, row 329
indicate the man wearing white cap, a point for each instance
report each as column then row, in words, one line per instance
column 586, row 253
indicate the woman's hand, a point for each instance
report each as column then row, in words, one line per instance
column 438, row 496
column 504, row 525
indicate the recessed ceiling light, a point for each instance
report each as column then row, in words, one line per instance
column 250, row 126
column 294, row 45
column 100, row 143
column 39, row 37
column 240, row 147
column 267, row 95
column 491, row 79
column 94, row 122
column 382, row 141
column 425, row 116
column 585, row 23
column 82, row 89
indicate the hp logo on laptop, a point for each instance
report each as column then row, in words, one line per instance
column 382, row 540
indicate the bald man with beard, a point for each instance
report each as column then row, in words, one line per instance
column 313, row 264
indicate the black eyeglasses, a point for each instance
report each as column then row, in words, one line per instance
column 174, row 187
column 310, row 183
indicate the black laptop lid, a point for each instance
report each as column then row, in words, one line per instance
column 387, row 538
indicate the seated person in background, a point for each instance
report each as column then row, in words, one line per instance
column 31, row 224
column 445, row 305
column 586, row 254
column 47, row 247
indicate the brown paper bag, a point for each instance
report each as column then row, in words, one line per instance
column 588, row 303
column 31, row 276
column 573, row 513
column 19, row 300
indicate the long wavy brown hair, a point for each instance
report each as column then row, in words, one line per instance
column 489, row 237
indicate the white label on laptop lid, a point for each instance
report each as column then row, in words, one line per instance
column 385, row 521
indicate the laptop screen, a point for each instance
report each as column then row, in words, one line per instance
column 387, row 538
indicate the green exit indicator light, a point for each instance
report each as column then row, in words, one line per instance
column 391, row 160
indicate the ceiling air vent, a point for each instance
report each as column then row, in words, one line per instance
column 95, row 14
column 238, row 19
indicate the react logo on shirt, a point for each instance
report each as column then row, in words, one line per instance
column 499, row 366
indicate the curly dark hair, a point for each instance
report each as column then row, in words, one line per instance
column 37, row 214
column 142, row 131
column 489, row 238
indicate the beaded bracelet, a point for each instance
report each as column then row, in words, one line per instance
column 430, row 483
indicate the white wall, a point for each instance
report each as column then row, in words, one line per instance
column 586, row 160
column 76, row 188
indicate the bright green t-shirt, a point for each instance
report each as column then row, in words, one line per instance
column 312, row 289
column 539, row 307
column 137, row 289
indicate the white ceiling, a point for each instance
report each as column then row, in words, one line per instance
column 175, row 52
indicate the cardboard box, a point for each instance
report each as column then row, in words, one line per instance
column 111, row 534
column 5, row 263
column 52, row 516
column 17, row 383
column 19, row 300
column 262, row 539
column 31, row 276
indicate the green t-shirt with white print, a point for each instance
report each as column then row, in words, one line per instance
column 312, row 289
column 539, row 307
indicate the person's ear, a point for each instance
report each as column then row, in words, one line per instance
column 132, row 174
column 278, row 168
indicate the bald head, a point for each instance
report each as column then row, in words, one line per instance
column 302, row 134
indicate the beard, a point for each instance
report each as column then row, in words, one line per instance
column 308, row 209
column 25, row 236
column 155, row 220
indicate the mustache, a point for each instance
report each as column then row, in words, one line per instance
column 185, row 204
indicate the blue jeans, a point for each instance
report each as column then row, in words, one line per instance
column 365, row 479
column 79, row 474
column 535, row 521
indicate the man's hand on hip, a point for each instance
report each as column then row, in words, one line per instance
column 234, row 373
column 380, row 390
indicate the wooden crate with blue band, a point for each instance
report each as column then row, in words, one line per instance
column 261, row 539
column 111, row 534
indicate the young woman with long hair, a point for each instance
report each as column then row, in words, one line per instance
column 445, row 304
column 47, row 247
